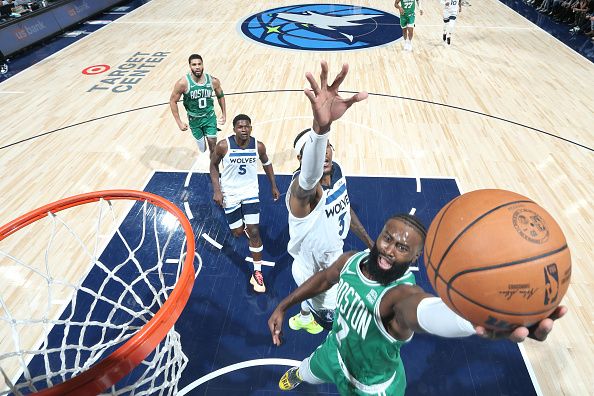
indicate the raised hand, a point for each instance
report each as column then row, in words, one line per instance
column 326, row 104
column 538, row 331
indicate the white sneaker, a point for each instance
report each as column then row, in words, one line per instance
column 410, row 46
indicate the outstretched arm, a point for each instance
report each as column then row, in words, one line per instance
column 417, row 311
column 327, row 106
column 216, row 84
column 359, row 230
column 318, row 283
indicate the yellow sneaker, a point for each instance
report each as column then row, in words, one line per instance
column 257, row 281
column 312, row 327
column 290, row 379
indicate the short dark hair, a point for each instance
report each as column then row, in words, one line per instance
column 240, row 117
column 194, row 56
column 413, row 221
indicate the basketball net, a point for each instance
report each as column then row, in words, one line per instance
column 95, row 285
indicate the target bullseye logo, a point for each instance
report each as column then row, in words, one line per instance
column 95, row 69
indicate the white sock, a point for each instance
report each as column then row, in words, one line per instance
column 258, row 266
column 202, row 144
column 305, row 318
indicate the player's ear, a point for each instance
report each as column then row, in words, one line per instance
column 299, row 157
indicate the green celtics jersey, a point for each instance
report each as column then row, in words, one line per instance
column 369, row 354
column 408, row 5
column 198, row 98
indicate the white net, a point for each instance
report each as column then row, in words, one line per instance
column 78, row 284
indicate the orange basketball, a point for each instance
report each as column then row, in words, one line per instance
column 497, row 259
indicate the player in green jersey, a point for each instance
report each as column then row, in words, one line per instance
column 197, row 89
column 407, row 19
column 379, row 307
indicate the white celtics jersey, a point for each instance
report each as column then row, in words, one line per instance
column 318, row 237
column 239, row 179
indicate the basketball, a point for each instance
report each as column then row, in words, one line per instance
column 497, row 259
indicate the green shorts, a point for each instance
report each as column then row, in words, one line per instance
column 324, row 364
column 203, row 126
column 407, row 20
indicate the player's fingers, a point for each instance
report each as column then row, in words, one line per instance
column 340, row 77
column 324, row 74
column 313, row 83
column 356, row 98
column 310, row 95
column 276, row 337
column 519, row 334
column 542, row 330
column 559, row 312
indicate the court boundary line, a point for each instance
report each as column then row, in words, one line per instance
column 425, row 101
column 521, row 348
column 237, row 366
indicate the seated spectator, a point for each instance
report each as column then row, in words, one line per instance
column 577, row 13
column 3, row 64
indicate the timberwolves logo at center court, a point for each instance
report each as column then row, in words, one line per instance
column 322, row 27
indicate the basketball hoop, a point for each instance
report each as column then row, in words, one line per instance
column 148, row 319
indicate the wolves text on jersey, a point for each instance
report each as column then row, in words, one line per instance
column 338, row 207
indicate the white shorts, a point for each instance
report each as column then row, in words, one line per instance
column 450, row 14
column 303, row 269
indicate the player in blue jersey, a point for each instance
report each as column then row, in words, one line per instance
column 236, row 188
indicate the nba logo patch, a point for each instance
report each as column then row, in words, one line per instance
column 322, row 27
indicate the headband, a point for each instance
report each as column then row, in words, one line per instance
column 301, row 142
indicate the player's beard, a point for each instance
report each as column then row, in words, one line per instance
column 198, row 74
column 383, row 276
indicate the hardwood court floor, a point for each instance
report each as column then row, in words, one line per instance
column 442, row 112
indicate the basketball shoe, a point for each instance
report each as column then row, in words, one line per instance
column 290, row 379
column 312, row 327
column 257, row 281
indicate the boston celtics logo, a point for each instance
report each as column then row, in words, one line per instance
column 322, row 27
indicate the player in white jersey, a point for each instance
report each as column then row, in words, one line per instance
column 450, row 13
column 237, row 190
column 320, row 213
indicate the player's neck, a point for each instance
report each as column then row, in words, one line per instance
column 364, row 271
column 241, row 143
column 197, row 80
column 326, row 179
